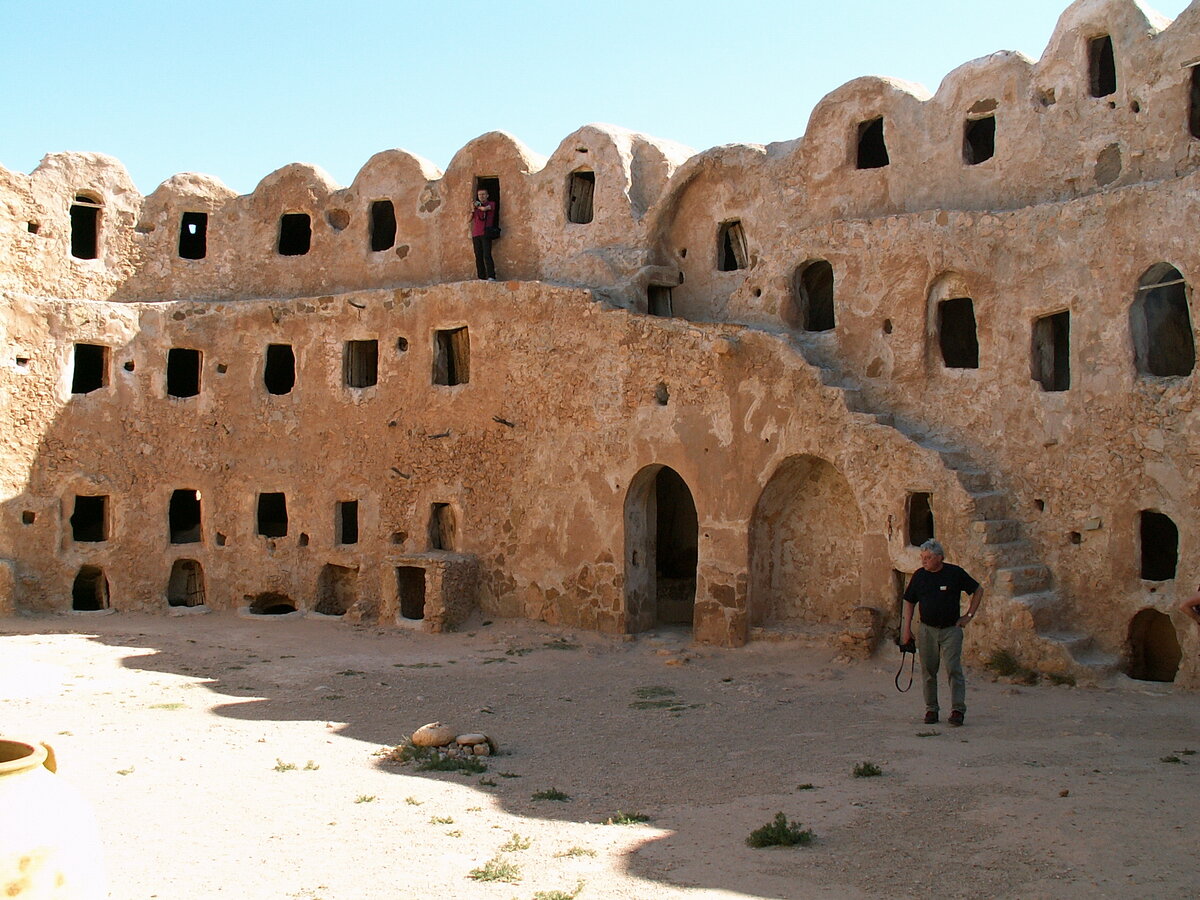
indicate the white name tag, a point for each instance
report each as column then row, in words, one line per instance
column 941, row 587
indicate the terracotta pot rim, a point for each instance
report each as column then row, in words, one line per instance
column 17, row 756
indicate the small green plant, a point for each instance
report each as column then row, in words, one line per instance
column 653, row 704
column 417, row 665
column 518, row 651
column 654, row 690
column 412, row 801
column 441, row 820
column 169, row 706
column 1171, row 759
column 928, row 733
column 624, row 818
column 467, row 765
column 365, row 798
column 455, row 833
column 352, row 672
column 1061, row 680
column 515, row 843
column 497, row 869
column 1187, row 752
column 281, row 766
column 779, row 833
column 508, row 774
column 560, row 895
column 867, row 770
column 576, row 852
column 128, row 771
column 807, row 786
column 486, row 782
column 561, row 644
column 550, row 794
column 311, row 766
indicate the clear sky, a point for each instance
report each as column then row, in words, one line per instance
column 239, row 88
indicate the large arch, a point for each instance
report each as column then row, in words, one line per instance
column 661, row 550
column 805, row 546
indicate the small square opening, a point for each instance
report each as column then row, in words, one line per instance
column 580, row 187
column 1102, row 67
column 956, row 333
column 184, row 516
column 979, row 140
column 731, row 246
column 872, row 147
column 279, row 369
column 193, row 235
column 89, row 519
column 346, row 524
column 410, row 585
column 272, row 515
column 85, row 227
column 452, row 356
column 360, row 363
column 920, row 518
column 183, row 372
column 295, row 234
column 383, row 225
column 658, row 301
column 90, row 372
column 1052, row 351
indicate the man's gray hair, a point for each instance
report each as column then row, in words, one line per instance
column 934, row 547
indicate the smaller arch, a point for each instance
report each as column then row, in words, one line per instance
column 1160, row 323
column 271, row 603
column 661, row 550
column 89, row 592
column 1152, row 648
column 185, row 587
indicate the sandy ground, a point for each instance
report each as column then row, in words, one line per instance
column 181, row 730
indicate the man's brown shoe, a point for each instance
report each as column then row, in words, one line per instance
column 956, row 717
column 931, row 718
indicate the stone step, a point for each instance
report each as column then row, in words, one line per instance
column 1083, row 651
column 990, row 504
column 997, row 531
column 1045, row 608
column 1013, row 581
column 952, row 457
column 801, row 635
column 1008, row 554
column 976, row 481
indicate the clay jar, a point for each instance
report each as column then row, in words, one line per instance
column 49, row 843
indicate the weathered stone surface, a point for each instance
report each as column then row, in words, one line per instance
column 435, row 734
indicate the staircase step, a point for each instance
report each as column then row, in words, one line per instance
column 1045, row 607
column 1083, row 651
column 997, row 531
column 1014, row 581
column 1009, row 554
column 974, row 480
column 991, row 504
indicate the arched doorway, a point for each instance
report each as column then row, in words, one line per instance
column 805, row 546
column 661, row 541
column 337, row 590
column 1153, row 647
column 89, row 592
column 186, row 585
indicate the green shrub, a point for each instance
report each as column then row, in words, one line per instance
column 867, row 770
column 550, row 794
column 497, row 869
column 780, row 833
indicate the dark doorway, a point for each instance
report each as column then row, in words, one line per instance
column 731, row 246
column 383, row 225
column 347, row 522
column 272, row 603
column 410, row 585
column 186, row 584
column 661, row 550
column 1153, row 647
column 337, row 590
column 813, row 287
column 1159, row 545
column 658, row 300
column 956, row 333
column 872, row 148
column 1102, row 67
column 184, row 517
column 90, row 589
column 1052, row 352
column 193, row 235
column 85, row 228
column 360, row 364
column 581, row 186
column 279, row 369
column 90, row 372
column 920, row 518
column 1194, row 103
column 272, row 515
column 295, row 234
column 183, row 372
column 491, row 184
column 979, row 140
column 89, row 519
column 1160, row 323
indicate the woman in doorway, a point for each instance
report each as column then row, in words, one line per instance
column 483, row 220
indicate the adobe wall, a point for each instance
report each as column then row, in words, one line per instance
column 801, row 449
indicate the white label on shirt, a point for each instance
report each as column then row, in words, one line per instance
column 941, row 587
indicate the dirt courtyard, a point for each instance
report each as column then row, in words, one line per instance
column 239, row 758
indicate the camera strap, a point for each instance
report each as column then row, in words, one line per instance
column 912, row 665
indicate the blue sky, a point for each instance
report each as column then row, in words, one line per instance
column 238, row 88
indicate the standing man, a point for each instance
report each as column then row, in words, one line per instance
column 483, row 220
column 937, row 587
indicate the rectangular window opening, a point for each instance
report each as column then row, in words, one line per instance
column 193, row 235
column 442, row 527
column 184, row 517
column 410, row 585
column 580, row 188
column 1102, row 66
column 90, row 372
column 1194, row 103
column 452, row 357
column 1160, row 546
column 183, row 372
column 85, row 228
column 383, row 225
column 1052, row 351
column 360, row 363
column 89, row 519
column 872, row 148
column 272, row 515
column 295, row 234
column 956, row 333
column 920, row 518
column 347, row 522
column 979, row 140
column 279, row 369
column 658, row 301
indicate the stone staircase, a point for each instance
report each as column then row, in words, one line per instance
column 1022, row 586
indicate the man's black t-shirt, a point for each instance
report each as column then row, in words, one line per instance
column 938, row 592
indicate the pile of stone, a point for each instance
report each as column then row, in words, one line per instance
column 444, row 741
